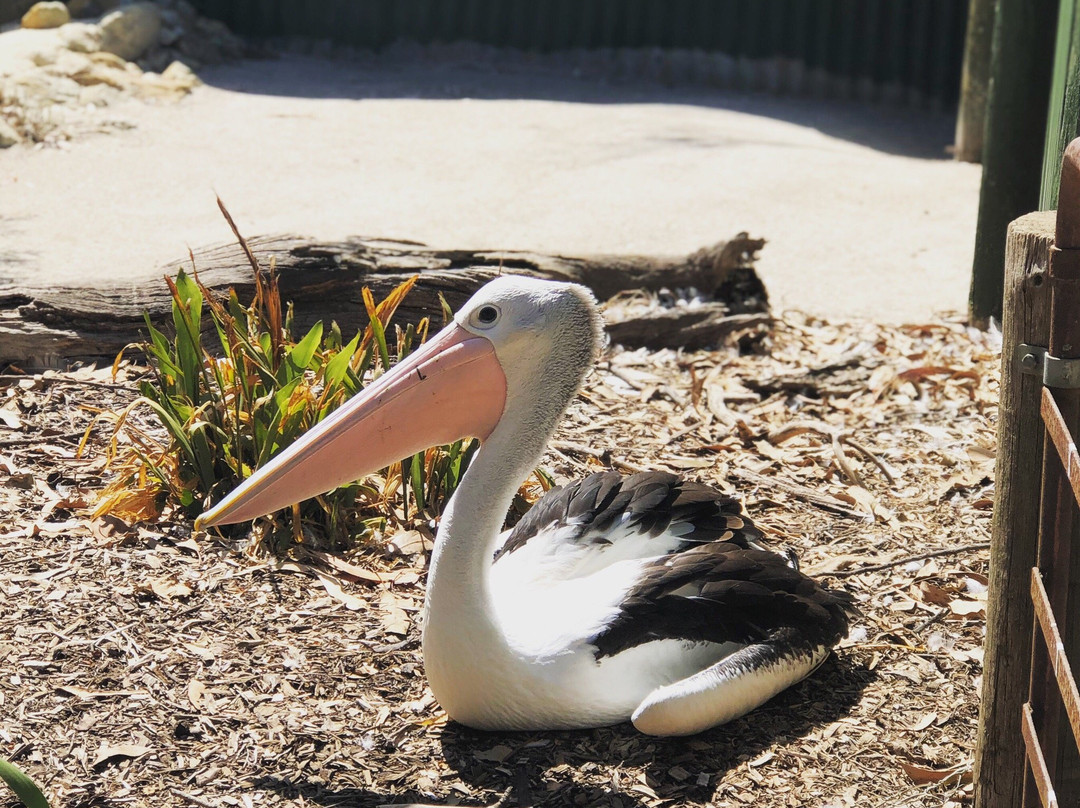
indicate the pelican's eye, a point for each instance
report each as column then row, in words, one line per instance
column 486, row 315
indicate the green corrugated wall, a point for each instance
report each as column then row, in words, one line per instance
column 915, row 45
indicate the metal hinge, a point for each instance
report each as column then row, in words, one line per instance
column 1054, row 371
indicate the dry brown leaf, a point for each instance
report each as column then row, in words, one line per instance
column 408, row 542
column 921, row 775
column 196, row 692
column 902, row 605
column 349, row 570
column 168, row 588
column 333, row 588
column 924, row 722
column 961, row 607
column 496, row 754
column 87, row 695
column 931, row 593
column 9, row 416
column 201, row 651
column 109, row 529
column 108, row 753
column 394, row 618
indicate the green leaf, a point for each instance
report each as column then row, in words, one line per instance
column 447, row 312
column 416, row 477
column 25, row 788
column 336, row 367
column 300, row 354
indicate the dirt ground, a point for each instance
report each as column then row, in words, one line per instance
column 864, row 212
column 147, row 665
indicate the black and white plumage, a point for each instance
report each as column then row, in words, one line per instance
column 648, row 597
column 701, row 578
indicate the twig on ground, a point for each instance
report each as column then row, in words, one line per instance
column 822, row 501
column 192, row 798
column 967, row 548
column 70, row 436
column 603, row 455
column 838, row 438
column 936, row 617
column 15, row 377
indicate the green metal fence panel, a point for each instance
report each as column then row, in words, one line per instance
column 912, row 47
column 1063, row 117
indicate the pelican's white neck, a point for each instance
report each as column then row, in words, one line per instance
column 545, row 347
column 464, row 639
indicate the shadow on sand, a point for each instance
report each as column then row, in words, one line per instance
column 544, row 769
column 894, row 130
column 558, row 768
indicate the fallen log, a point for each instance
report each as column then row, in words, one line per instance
column 52, row 326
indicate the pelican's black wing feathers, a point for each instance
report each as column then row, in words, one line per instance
column 651, row 503
column 721, row 592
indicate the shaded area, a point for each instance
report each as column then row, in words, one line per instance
column 534, row 768
column 910, row 47
column 472, row 72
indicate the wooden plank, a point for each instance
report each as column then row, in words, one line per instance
column 1041, row 777
column 998, row 773
column 1020, row 72
column 1059, row 660
column 1058, row 431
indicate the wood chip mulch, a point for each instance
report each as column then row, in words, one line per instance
column 147, row 666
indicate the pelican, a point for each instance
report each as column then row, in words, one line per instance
column 645, row 597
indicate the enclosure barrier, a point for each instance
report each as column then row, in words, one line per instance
column 897, row 51
column 1024, row 756
column 1053, row 706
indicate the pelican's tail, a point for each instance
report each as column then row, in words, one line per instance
column 728, row 689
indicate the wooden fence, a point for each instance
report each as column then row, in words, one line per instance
column 1031, row 706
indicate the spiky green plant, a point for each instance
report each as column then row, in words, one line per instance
column 228, row 412
column 25, row 788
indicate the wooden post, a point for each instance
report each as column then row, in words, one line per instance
column 1023, row 50
column 999, row 771
column 974, row 82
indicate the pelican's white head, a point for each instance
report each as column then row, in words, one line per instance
column 546, row 335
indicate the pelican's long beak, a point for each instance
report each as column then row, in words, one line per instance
column 452, row 387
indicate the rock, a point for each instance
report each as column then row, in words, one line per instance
column 170, row 34
column 131, row 30
column 81, row 37
column 181, row 75
column 81, row 8
column 46, row 15
column 8, row 135
column 112, row 60
column 156, row 60
column 43, row 58
column 71, row 64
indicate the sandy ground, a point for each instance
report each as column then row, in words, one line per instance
column 864, row 213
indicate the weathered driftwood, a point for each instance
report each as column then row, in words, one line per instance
column 324, row 281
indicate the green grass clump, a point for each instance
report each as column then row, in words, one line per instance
column 229, row 411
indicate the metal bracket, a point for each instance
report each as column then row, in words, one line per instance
column 1054, row 371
